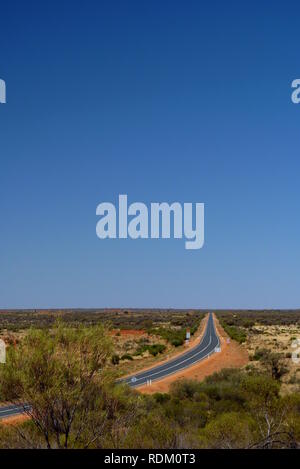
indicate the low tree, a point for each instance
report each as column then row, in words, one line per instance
column 273, row 362
column 59, row 375
column 154, row 431
column 228, row 431
column 268, row 410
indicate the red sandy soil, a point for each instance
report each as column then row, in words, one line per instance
column 14, row 420
column 232, row 355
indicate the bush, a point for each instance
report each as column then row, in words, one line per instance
column 60, row 372
column 234, row 332
column 261, row 354
column 229, row 430
column 126, row 356
column 174, row 336
column 161, row 398
column 272, row 362
column 248, row 323
column 154, row 349
column 115, row 359
column 184, row 389
column 177, row 342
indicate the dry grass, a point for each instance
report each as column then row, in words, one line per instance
column 277, row 339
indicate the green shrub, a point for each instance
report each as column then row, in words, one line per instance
column 177, row 342
column 153, row 349
column 126, row 356
column 234, row 332
column 161, row 398
column 261, row 354
column 174, row 336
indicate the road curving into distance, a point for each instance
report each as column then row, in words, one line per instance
column 206, row 347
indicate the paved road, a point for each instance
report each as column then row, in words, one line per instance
column 206, row 347
column 11, row 410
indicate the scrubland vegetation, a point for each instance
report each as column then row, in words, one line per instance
column 18, row 320
column 234, row 332
column 64, row 374
column 248, row 318
column 267, row 335
column 140, row 337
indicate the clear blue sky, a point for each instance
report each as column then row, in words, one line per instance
column 163, row 101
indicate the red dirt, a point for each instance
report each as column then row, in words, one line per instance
column 232, row 355
column 14, row 420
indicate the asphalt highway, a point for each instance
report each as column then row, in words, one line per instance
column 206, row 347
column 10, row 410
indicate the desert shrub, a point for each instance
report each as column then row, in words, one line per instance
column 272, row 361
column 115, row 359
column 184, row 389
column 58, row 373
column 153, row 349
column 177, row 342
column 126, row 356
column 153, row 432
column 276, row 365
column 293, row 379
column 229, row 430
column 248, row 323
column 147, row 324
column 261, row 354
column 265, row 317
column 234, row 332
column 161, row 398
column 174, row 336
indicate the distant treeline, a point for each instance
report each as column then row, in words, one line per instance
column 142, row 318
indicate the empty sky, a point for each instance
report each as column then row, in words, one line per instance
column 163, row 101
